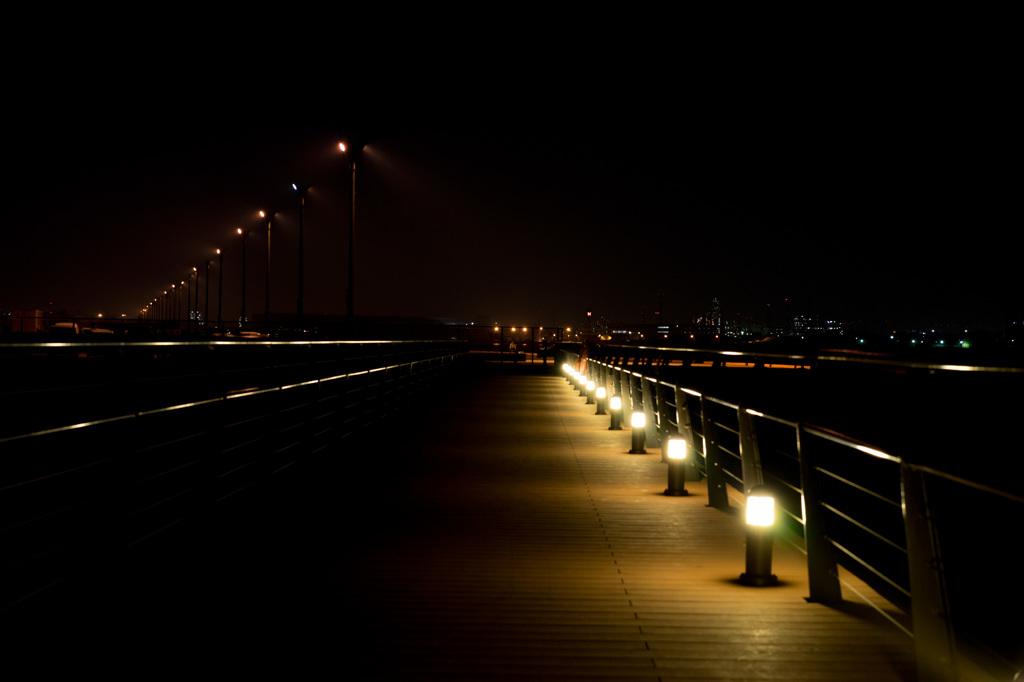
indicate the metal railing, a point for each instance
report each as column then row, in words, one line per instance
column 106, row 446
column 846, row 503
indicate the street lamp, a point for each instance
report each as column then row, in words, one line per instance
column 351, row 153
column 301, row 189
column 220, row 286
column 193, row 325
column 206, row 304
column 245, row 235
column 266, row 308
column 175, row 306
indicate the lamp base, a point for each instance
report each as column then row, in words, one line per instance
column 758, row 580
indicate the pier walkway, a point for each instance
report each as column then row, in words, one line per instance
column 505, row 533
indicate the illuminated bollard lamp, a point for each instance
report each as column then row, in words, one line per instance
column 583, row 384
column 760, row 519
column 639, row 423
column 591, row 385
column 602, row 399
column 675, row 452
column 616, row 409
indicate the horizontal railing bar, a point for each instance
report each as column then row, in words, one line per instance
column 857, row 486
column 864, row 528
column 871, row 568
column 970, row 484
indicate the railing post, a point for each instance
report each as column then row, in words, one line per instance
column 629, row 396
column 929, row 605
column 684, row 424
column 750, row 457
column 718, row 497
column 665, row 429
column 822, row 574
column 651, row 427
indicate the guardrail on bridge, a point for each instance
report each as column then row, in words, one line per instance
column 107, row 445
column 895, row 519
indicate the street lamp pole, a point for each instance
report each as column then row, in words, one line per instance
column 245, row 234
column 206, row 303
column 266, row 308
column 193, row 324
column 350, row 295
column 301, row 189
column 220, row 287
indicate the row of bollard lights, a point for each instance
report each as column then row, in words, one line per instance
column 760, row 510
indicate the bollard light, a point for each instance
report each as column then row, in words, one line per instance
column 760, row 518
column 616, row 408
column 638, row 422
column 591, row 385
column 602, row 399
column 675, row 452
column 583, row 383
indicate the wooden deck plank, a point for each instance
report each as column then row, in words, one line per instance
column 526, row 543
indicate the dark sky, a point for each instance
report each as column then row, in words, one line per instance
column 530, row 195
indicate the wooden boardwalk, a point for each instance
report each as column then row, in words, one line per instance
column 504, row 534
column 521, row 541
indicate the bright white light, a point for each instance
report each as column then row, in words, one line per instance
column 760, row 511
column 616, row 402
column 591, row 385
column 638, row 420
column 602, row 392
column 676, row 448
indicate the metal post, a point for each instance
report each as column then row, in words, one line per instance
column 206, row 303
column 933, row 627
column 220, row 287
column 684, row 424
column 750, row 457
column 718, row 496
column 650, row 407
column 822, row 574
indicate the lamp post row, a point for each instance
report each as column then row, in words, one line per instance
column 162, row 307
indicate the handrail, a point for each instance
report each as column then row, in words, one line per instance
column 852, row 503
column 74, row 489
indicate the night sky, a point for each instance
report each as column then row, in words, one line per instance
column 851, row 190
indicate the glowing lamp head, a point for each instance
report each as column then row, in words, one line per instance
column 616, row 402
column 638, row 420
column 591, row 385
column 760, row 509
column 602, row 393
column 676, row 449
